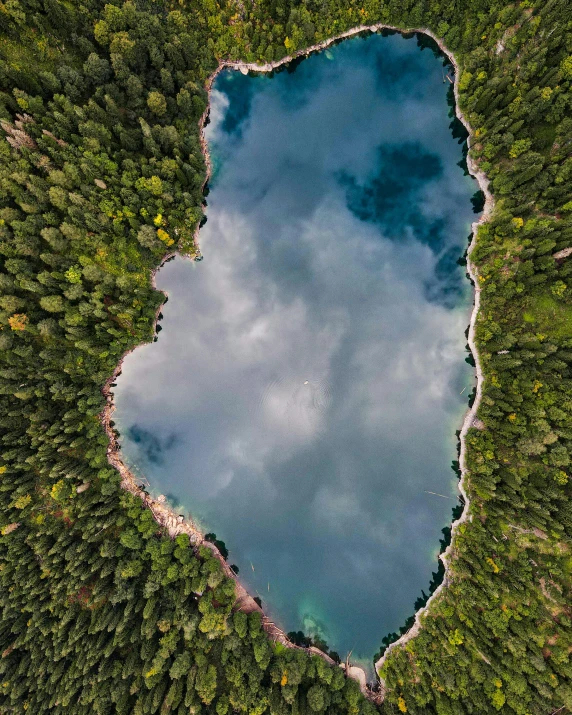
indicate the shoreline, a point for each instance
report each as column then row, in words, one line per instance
column 471, row 415
column 176, row 524
column 167, row 517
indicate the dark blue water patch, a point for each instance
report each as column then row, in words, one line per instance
column 393, row 197
column 240, row 92
column 152, row 447
column 389, row 67
column 394, row 200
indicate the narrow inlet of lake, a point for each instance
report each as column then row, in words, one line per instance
column 303, row 396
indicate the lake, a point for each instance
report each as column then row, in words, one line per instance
column 304, row 393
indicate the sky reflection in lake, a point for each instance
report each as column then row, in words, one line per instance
column 305, row 389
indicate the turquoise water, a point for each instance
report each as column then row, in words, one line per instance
column 304, row 393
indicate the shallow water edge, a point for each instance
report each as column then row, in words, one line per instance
column 176, row 524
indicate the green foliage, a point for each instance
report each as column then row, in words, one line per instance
column 157, row 103
column 101, row 174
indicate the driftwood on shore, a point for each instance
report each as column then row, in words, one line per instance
column 176, row 524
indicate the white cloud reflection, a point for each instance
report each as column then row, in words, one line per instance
column 309, row 375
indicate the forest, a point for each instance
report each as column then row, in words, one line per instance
column 102, row 177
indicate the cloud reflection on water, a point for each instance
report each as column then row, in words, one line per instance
column 310, row 366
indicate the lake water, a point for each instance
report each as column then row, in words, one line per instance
column 303, row 396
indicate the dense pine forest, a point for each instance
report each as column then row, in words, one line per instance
column 101, row 176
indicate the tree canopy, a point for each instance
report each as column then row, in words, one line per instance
column 102, row 176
